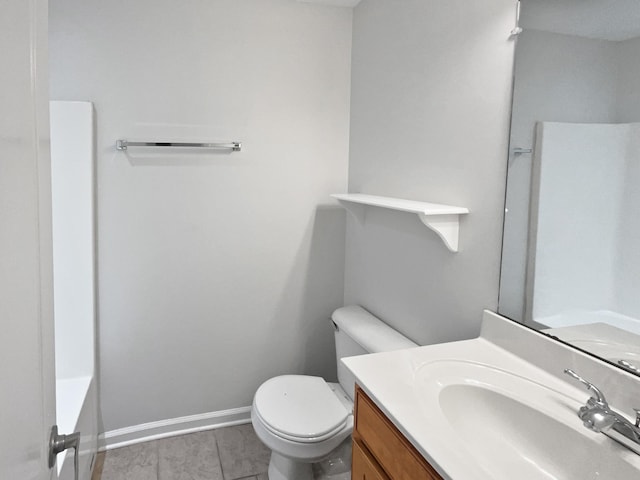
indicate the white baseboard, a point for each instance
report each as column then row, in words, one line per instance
column 172, row 427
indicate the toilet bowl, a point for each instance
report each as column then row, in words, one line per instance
column 304, row 419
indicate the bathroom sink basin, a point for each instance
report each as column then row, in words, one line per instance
column 603, row 340
column 513, row 427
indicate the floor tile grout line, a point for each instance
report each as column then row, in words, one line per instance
column 157, row 448
column 215, row 438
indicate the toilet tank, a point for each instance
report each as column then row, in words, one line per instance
column 357, row 332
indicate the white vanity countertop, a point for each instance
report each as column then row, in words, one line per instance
column 405, row 385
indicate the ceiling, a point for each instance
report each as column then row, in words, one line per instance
column 614, row 20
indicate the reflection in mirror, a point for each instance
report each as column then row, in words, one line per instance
column 571, row 255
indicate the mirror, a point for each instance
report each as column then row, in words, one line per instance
column 571, row 253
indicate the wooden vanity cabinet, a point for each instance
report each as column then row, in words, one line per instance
column 380, row 450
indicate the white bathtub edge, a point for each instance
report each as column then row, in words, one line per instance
column 145, row 432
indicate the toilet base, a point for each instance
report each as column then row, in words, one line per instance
column 283, row 468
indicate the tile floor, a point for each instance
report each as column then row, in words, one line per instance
column 230, row 453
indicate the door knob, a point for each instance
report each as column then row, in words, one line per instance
column 59, row 443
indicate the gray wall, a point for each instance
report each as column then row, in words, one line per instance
column 431, row 91
column 628, row 99
column 215, row 272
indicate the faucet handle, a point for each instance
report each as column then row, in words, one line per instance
column 629, row 366
column 598, row 395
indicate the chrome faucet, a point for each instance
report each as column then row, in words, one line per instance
column 596, row 415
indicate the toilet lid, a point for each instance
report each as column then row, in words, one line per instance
column 300, row 407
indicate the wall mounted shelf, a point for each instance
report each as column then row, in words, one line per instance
column 442, row 219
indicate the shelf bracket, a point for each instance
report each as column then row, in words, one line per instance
column 446, row 227
column 358, row 210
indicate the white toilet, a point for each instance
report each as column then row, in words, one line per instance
column 303, row 419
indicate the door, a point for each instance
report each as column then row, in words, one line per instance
column 27, row 383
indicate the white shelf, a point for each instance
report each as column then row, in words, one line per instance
column 442, row 219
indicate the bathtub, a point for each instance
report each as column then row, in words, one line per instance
column 72, row 194
column 77, row 411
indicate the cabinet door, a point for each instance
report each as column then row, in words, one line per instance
column 384, row 442
column 365, row 467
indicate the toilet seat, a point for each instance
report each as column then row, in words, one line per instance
column 300, row 408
